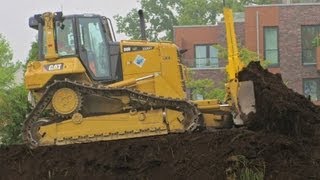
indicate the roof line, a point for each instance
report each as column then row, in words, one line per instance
column 195, row 26
column 282, row 5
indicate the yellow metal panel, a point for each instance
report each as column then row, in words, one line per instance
column 175, row 119
column 105, row 125
column 161, row 60
column 146, row 86
column 37, row 74
column 207, row 102
column 164, row 89
column 212, row 120
column 171, row 70
column 208, row 105
column 50, row 47
column 151, row 59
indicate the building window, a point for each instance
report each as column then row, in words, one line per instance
column 271, row 51
column 311, row 88
column 308, row 33
column 206, row 56
column 197, row 97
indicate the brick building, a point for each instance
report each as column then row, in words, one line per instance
column 281, row 33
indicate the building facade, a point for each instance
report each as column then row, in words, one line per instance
column 283, row 34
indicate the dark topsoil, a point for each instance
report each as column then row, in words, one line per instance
column 282, row 136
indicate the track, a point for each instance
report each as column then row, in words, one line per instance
column 34, row 120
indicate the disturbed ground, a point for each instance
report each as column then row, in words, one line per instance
column 281, row 141
column 186, row 156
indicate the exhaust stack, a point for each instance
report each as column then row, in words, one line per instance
column 142, row 25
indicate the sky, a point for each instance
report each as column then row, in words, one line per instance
column 14, row 16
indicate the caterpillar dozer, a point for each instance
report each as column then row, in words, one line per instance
column 86, row 86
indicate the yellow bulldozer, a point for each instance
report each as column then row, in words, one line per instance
column 87, row 87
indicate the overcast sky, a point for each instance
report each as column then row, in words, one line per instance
column 14, row 15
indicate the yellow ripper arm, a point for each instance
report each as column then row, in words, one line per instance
column 234, row 63
column 239, row 95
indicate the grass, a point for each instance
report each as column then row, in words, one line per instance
column 244, row 169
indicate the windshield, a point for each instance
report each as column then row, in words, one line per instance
column 92, row 41
column 65, row 38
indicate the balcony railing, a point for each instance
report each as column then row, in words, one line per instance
column 203, row 63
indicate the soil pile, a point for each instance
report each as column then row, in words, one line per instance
column 278, row 108
column 176, row 156
column 281, row 142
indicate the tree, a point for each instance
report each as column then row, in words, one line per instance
column 238, row 5
column 159, row 16
column 162, row 15
column 7, row 67
column 13, row 110
column 245, row 55
column 33, row 52
column 198, row 12
column 13, row 99
column 206, row 88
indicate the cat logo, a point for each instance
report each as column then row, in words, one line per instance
column 54, row 67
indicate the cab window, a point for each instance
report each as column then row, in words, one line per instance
column 92, row 40
column 65, row 38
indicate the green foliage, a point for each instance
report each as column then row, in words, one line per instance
column 128, row 24
column 254, row 170
column 7, row 67
column 13, row 98
column 316, row 41
column 238, row 5
column 197, row 12
column 13, row 110
column 243, row 169
column 33, row 52
column 162, row 15
column 251, row 174
column 245, row 55
column 204, row 87
column 159, row 17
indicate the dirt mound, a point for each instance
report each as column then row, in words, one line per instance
column 278, row 108
column 281, row 143
column 178, row 156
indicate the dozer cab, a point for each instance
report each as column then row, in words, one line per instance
column 86, row 86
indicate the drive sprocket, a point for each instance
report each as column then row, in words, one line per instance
column 66, row 102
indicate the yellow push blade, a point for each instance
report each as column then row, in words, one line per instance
column 246, row 100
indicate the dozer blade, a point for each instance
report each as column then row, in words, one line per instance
column 246, row 101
